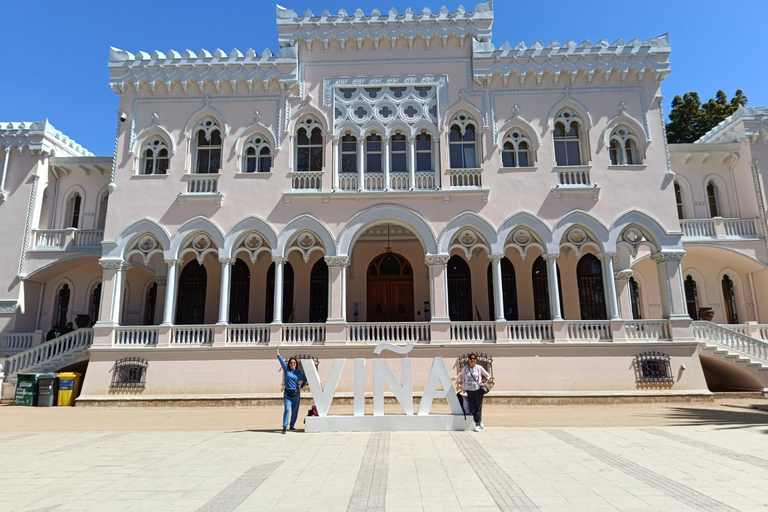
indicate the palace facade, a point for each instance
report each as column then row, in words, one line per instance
column 393, row 177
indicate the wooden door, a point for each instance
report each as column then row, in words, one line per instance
column 390, row 289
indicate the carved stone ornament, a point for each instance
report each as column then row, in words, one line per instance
column 495, row 257
column 604, row 256
column 227, row 261
column 468, row 240
column 623, row 275
column 523, row 239
column 437, row 259
column 668, row 256
column 8, row 307
column 200, row 245
column 550, row 256
column 577, row 238
column 173, row 262
column 337, row 261
column 305, row 242
column 279, row 260
column 145, row 247
column 116, row 265
column 253, row 244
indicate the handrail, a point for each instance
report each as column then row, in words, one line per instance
column 732, row 340
column 48, row 350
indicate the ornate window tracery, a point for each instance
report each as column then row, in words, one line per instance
column 569, row 143
column 462, row 141
column 309, row 145
column 208, row 147
column 624, row 148
column 257, row 156
column 516, row 149
column 154, row 156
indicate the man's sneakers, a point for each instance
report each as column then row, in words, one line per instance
column 284, row 429
column 477, row 428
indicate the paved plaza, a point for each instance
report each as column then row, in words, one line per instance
column 677, row 457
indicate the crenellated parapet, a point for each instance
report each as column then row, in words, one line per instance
column 162, row 70
column 384, row 26
column 564, row 62
column 39, row 137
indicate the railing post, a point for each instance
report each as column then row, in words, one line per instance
column 69, row 238
column 718, row 227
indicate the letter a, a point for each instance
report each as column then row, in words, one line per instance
column 438, row 374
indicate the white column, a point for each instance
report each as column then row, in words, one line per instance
column 361, row 164
column 226, row 278
column 162, row 283
column 436, row 160
column 3, row 193
column 411, row 163
column 498, row 287
column 609, row 285
column 438, row 286
column 337, row 288
column 170, row 291
column 554, row 288
column 387, row 160
column 117, row 295
column 277, row 315
column 670, row 274
column 623, row 293
column 336, row 163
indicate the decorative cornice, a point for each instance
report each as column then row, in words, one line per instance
column 437, row 259
column 39, row 137
column 8, row 307
column 161, row 281
column 623, row 275
column 337, row 261
column 391, row 25
column 165, row 69
column 636, row 57
column 668, row 256
column 116, row 265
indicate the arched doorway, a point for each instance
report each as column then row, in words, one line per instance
column 62, row 306
column 634, row 299
column 390, row 289
column 729, row 300
column 192, row 287
column 541, row 289
column 589, row 272
column 150, row 305
column 459, row 290
column 240, row 288
column 287, row 293
column 318, row 292
column 95, row 304
column 691, row 297
column 508, row 288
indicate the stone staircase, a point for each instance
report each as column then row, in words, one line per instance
column 47, row 357
column 746, row 352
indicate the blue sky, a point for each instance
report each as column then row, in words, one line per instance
column 53, row 54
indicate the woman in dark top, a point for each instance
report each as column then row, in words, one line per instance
column 294, row 380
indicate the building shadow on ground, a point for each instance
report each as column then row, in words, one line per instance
column 729, row 416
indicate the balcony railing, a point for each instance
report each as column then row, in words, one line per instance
column 201, row 186
column 136, row 336
column 473, row 331
column 647, row 330
column 192, row 335
column 348, row 181
column 248, row 334
column 307, row 181
column 574, row 179
column 70, row 239
column 399, row 181
column 374, row 181
column 303, row 333
column 466, row 178
column 720, row 228
column 588, row 330
column 17, row 341
column 365, row 332
column 530, row 331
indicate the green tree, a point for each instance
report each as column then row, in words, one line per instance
column 690, row 119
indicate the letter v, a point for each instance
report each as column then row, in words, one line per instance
column 323, row 397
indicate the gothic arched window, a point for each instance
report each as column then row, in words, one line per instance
column 691, row 297
column 424, row 152
column 349, row 153
column 541, row 289
column 62, row 306
column 679, row 201
column 257, row 155
column 309, row 145
column 623, row 149
column 569, row 147
column 154, row 156
column 634, row 299
column 95, row 304
column 373, row 154
column 287, row 293
column 74, row 206
column 318, row 292
column 713, row 200
column 462, row 142
column 589, row 273
column 516, row 149
column 150, row 305
column 398, row 150
column 208, row 147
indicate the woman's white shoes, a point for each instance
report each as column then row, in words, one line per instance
column 477, row 428
column 481, row 425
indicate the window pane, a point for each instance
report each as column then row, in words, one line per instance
column 162, row 165
column 302, row 159
column 423, row 142
column 507, row 159
column 373, row 162
column 630, row 149
column 573, row 130
column 398, row 145
column 148, row 163
column 455, row 152
column 614, row 152
column 423, row 161
column 316, row 159
column 560, row 153
column 302, row 138
column 469, row 133
column 317, row 137
column 455, row 134
column 215, row 138
column 215, row 161
column 522, row 156
column 349, row 163
column 470, row 161
column 573, row 152
column 250, row 164
column 399, row 162
column 202, row 160
column 265, row 163
column 201, row 139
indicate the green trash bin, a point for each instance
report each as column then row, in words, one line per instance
column 47, row 389
column 26, row 389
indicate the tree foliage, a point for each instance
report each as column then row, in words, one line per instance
column 690, row 119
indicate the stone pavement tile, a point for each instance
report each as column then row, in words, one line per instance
column 554, row 502
column 590, row 504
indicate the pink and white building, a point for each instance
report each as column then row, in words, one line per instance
column 389, row 176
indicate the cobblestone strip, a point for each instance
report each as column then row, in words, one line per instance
column 370, row 491
column 676, row 490
column 505, row 492
column 233, row 495
column 718, row 450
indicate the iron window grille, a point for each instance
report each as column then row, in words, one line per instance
column 483, row 360
column 129, row 373
column 653, row 368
